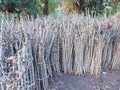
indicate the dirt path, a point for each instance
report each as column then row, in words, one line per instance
column 107, row 81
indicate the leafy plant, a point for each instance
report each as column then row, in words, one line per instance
column 19, row 6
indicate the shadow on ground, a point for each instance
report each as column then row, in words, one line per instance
column 105, row 81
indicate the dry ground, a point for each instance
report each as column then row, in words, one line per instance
column 105, row 81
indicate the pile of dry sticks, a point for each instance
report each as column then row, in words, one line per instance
column 32, row 50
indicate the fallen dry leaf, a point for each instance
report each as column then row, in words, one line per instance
column 11, row 59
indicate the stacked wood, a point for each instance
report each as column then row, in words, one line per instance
column 67, row 48
column 67, row 57
column 55, row 55
column 79, row 47
column 116, row 57
column 33, row 50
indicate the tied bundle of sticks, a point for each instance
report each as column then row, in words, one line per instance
column 41, row 61
column 79, row 53
column 116, row 57
column 67, row 47
column 55, row 55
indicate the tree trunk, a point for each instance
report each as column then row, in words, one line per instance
column 45, row 10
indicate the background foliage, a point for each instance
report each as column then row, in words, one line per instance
column 34, row 7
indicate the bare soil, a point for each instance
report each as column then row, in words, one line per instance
column 105, row 81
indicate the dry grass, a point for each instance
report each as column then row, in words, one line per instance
column 33, row 50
